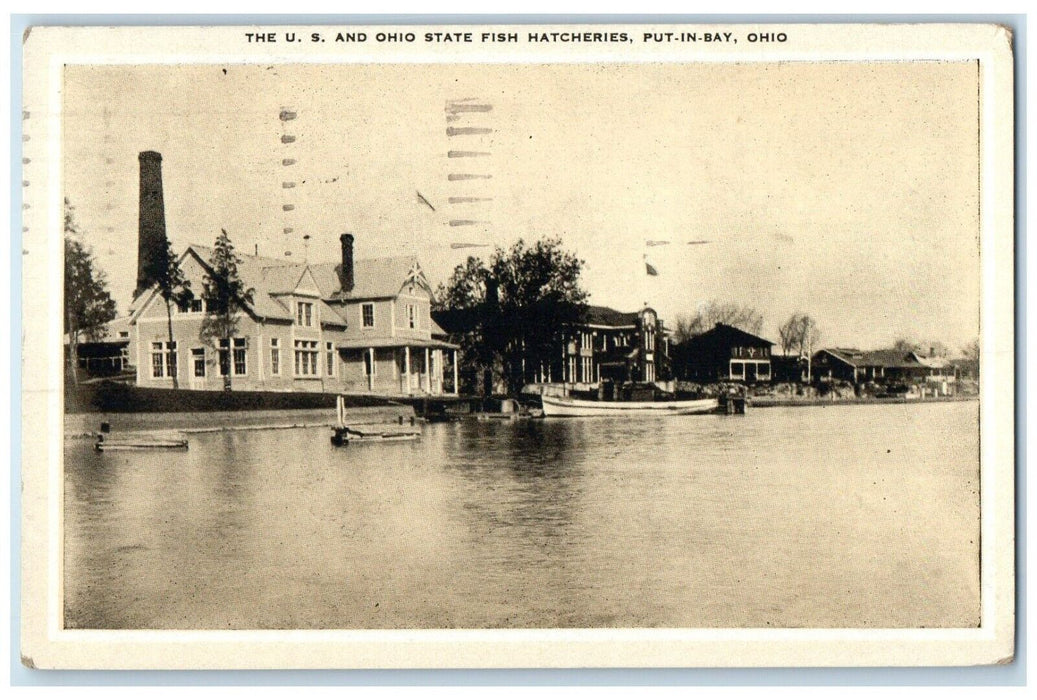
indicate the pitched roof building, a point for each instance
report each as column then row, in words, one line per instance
column 724, row 353
column 881, row 366
column 351, row 325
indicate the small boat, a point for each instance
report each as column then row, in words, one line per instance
column 347, row 436
column 565, row 406
column 142, row 442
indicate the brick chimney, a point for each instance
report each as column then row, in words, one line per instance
column 345, row 274
column 152, row 224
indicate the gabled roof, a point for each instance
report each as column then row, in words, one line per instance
column 889, row 358
column 465, row 320
column 606, row 316
column 375, row 278
column 723, row 333
column 272, row 277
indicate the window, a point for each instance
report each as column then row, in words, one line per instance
column 738, row 370
column 330, row 347
column 157, row 364
column 124, row 334
column 190, row 306
column 237, row 353
column 370, row 367
column 412, row 316
column 240, row 357
column 224, row 357
column 306, row 358
column 275, row 356
column 163, row 360
column 367, row 311
column 198, row 360
column 304, row 313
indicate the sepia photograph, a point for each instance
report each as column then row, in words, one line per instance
column 616, row 331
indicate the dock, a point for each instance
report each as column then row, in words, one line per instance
column 344, row 435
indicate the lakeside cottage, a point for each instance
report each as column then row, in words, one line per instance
column 724, row 353
column 885, row 367
column 347, row 326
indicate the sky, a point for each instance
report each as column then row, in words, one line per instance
column 845, row 190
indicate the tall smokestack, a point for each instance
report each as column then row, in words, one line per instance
column 152, row 232
column 345, row 274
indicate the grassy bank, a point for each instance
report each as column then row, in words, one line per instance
column 116, row 397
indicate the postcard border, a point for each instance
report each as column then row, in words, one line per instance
column 478, row 658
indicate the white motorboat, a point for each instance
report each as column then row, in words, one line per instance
column 565, row 406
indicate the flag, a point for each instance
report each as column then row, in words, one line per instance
column 651, row 270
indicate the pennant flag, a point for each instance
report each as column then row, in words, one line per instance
column 697, row 242
column 651, row 270
column 655, row 243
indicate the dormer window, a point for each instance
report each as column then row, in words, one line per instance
column 412, row 316
column 304, row 313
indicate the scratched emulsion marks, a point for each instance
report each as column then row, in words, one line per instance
column 469, row 132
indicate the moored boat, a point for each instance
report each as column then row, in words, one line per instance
column 567, row 406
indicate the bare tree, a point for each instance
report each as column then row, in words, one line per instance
column 713, row 312
column 800, row 333
column 787, row 333
column 905, row 345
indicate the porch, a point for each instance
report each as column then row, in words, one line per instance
column 399, row 367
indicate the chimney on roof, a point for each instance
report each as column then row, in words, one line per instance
column 151, row 237
column 345, row 274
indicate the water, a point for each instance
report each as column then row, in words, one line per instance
column 786, row 517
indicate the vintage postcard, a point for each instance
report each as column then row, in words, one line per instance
column 518, row 346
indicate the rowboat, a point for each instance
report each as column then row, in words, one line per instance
column 346, row 436
column 565, row 406
column 142, row 442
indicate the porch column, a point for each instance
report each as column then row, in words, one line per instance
column 406, row 369
column 438, row 355
column 428, row 375
column 370, row 377
column 457, row 389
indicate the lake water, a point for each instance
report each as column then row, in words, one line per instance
column 821, row 516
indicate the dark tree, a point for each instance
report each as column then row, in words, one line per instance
column 88, row 305
column 225, row 296
column 164, row 269
column 466, row 288
column 520, row 310
column 540, row 303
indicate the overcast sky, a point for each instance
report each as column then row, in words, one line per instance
column 845, row 190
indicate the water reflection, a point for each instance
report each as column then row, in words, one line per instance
column 786, row 517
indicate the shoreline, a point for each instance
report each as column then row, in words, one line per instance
column 782, row 402
column 82, row 426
